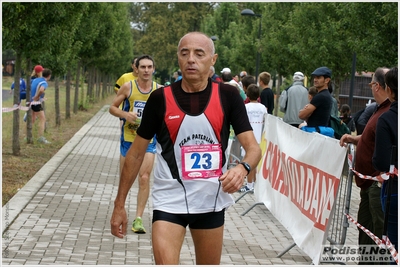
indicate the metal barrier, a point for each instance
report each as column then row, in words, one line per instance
column 235, row 155
column 339, row 223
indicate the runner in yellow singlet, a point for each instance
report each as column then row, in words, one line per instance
column 133, row 96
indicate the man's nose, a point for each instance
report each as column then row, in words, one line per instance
column 191, row 57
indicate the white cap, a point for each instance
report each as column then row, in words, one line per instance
column 298, row 76
column 227, row 70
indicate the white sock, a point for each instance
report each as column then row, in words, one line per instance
column 250, row 185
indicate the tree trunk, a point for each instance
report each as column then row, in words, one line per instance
column 17, row 74
column 104, row 92
column 89, row 84
column 68, row 95
column 82, row 92
column 98, row 87
column 92, row 85
column 76, row 96
column 57, row 100
column 29, row 137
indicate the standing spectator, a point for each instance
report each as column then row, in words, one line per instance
column 179, row 75
column 191, row 119
column 335, row 102
column 134, row 94
column 236, row 78
column 385, row 140
column 38, row 88
column 317, row 113
column 233, row 81
column 213, row 75
column 22, row 89
column 37, row 72
column 345, row 116
column 256, row 112
column 227, row 78
column 362, row 116
column 241, row 75
column 267, row 96
column 246, row 81
column 311, row 93
column 293, row 99
column 370, row 214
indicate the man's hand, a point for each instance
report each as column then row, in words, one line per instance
column 130, row 117
column 347, row 138
column 119, row 222
column 232, row 179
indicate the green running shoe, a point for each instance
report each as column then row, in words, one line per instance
column 137, row 226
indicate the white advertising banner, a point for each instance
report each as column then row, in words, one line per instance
column 297, row 180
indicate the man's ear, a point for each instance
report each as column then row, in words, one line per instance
column 214, row 59
column 329, row 79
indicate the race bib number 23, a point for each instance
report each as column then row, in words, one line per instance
column 201, row 161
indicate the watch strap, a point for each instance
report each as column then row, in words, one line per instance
column 246, row 166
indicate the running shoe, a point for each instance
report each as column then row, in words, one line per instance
column 137, row 226
column 43, row 140
column 245, row 189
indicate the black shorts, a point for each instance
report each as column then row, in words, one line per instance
column 209, row 220
column 37, row 108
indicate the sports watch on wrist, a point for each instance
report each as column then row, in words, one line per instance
column 246, row 166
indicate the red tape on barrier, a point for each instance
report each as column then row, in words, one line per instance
column 15, row 107
column 384, row 243
column 380, row 178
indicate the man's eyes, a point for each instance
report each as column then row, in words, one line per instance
column 199, row 54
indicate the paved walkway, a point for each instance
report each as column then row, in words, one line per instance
column 61, row 217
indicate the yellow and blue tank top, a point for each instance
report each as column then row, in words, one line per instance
column 126, row 77
column 134, row 103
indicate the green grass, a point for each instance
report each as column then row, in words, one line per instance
column 17, row 170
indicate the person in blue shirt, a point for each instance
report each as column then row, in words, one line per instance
column 22, row 89
column 38, row 87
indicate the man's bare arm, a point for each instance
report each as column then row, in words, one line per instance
column 133, row 161
column 114, row 109
column 306, row 112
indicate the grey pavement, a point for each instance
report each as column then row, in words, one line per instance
column 61, row 216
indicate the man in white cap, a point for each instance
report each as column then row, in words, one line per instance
column 226, row 76
column 293, row 99
column 226, row 70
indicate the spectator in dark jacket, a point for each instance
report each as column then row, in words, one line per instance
column 267, row 96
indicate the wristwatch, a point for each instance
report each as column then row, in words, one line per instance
column 246, row 166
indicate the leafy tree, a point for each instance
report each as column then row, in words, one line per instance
column 371, row 30
column 161, row 25
column 19, row 21
column 59, row 26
